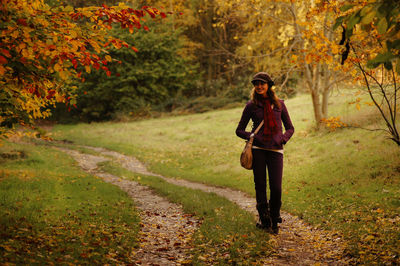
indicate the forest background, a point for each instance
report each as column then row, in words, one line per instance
column 203, row 55
column 199, row 57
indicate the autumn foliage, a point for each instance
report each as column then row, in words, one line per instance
column 371, row 34
column 356, row 43
column 42, row 48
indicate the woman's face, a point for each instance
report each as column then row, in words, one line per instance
column 261, row 87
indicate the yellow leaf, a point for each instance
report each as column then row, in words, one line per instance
column 25, row 53
column 95, row 45
column 63, row 75
column 335, row 49
column 57, row 67
column 21, row 46
column 116, row 44
column 329, row 59
column 108, row 58
column 358, row 106
column 14, row 34
column 369, row 237
column 73, row 34
column 75, row 45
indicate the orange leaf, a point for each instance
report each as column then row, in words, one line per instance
column 6, row 53
column 134, row 49
column 2, row 70
column 309, row 59
column 116, row 44
column 3, row 60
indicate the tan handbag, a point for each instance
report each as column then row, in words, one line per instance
column 246, row 158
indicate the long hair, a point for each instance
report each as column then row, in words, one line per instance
column 258, row 99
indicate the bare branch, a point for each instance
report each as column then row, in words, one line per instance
column 386, row 99
column 395, row 94
column 287, row 76
column 369, row 129
column 370, row 92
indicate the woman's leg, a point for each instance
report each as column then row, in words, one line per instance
column 275, row 170
column 260, row 182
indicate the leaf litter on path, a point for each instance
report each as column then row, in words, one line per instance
column 297, row 242
column 166, row 231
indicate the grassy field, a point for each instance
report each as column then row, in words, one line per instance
column 53, row 213
column 345, row 180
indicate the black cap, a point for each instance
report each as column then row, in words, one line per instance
column 264, row 77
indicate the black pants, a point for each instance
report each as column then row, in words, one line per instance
column 273, row 161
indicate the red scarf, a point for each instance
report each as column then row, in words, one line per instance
column 270, row 125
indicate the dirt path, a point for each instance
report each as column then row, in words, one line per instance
column 164, row 224
column 297, row 242
column 166, row 231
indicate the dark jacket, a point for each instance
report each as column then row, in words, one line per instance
column 256, row 114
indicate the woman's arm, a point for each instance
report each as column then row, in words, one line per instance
column 289, row 129
column 244, row 120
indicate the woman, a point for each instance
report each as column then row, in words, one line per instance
column 267, row 147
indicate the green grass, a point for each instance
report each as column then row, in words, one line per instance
column 53, row 213
column 346, row 180
column 227, row 234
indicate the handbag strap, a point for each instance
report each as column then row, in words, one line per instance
column 250, row 141
column 259, row 127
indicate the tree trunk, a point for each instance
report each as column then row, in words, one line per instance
column 326, row 88
column 317, row 108
column 313, row 83
column 325, row 99
column 313, row 74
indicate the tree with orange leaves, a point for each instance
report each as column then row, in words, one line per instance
column 42, row 48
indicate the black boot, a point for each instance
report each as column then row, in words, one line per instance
column 275, row 221
column 275, row 228
column 265, row 219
